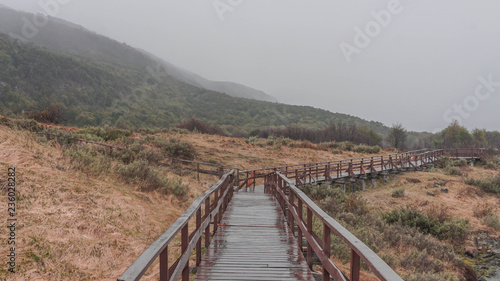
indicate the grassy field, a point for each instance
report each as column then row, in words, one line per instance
column 86, row 214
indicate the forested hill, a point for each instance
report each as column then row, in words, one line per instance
column 100, row 93
column 62, row 36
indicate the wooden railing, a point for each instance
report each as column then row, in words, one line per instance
column 294, row 203
column 356, row 167
column 465, row 153
column 205, row 211
column 338, row 169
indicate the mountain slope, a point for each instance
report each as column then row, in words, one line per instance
column 60, row 35
column 163, row 67
column 97, row 93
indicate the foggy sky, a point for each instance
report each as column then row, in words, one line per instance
column 422, row 67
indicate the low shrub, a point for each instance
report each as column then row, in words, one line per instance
column 153, row 156
column 421, row 261
column 491, row 220
column 100, row 134
column 28, row 125
column 459, row 163
column 453, row 171
column 490, row 164
column 179, row 149
column 149, row 178
column 306, row 144
column 398, row 193
column 366, row 149
column 195, row 125
column 452, row 229
column 490, row 184
column 52, row 114
column 319, row 192
column 87, row 159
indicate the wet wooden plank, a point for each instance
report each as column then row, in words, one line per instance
column 253, row 243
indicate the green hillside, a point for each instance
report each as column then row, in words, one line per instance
column 96, row 93
column 65, row 37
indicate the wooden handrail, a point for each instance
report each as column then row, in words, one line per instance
column 277, row 184
column 223, row 191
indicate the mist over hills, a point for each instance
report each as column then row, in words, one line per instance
column 99, row 81
column 60, row 35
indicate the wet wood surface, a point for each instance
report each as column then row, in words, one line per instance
column 253, row 243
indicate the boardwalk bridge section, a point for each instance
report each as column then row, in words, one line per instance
column 254, row 225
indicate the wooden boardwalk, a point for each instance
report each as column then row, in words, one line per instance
column 253, row 243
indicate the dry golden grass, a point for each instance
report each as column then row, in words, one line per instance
column 461, row 200
column 73, row 226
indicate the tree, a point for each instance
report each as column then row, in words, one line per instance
column 397, row 136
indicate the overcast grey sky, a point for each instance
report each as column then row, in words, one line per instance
column 417, row 62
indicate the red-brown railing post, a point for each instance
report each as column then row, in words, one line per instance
column 164, row 276
column 198, row 244
column 290, row 208
column 355, row 266
column 216, row 216
column 326, row 249
column 207, row 230
column 184, row 246
column 299, row 230
column 296, row 177
column 310, row 230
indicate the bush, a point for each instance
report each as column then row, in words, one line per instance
column 148, row 178
column 306, row 144
column 52, row 114
column 102, row 134
column 421, row 261
column 444, row 162
column 366, row 149
column 87, row 159
column 453, row 171
column 490, row 184
column 152, row 156
column 179, row 149
column 459, row 163
column 195, row 125
column 490, row 164
column 29, row 125
column 398, row 193
column 140, row 172
column 491, row 220
column 452, row 229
